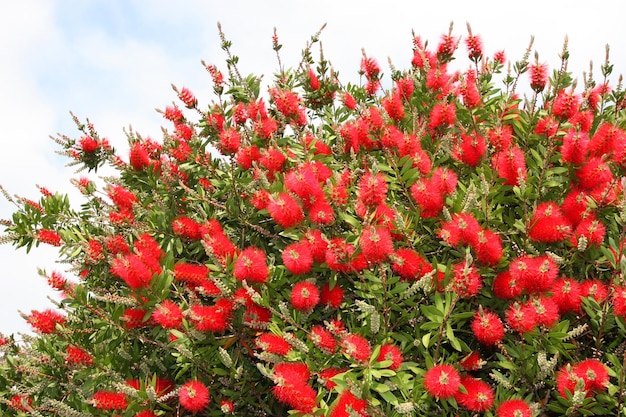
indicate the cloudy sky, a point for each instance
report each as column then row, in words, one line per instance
column 113, row 61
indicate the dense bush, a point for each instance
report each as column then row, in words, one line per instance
column 449, row 244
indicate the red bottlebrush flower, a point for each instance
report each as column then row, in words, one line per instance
column 546, row 310
column 331, row 297
column 145, row 413
column 507, row 286
column 57, row 281
column 230, row 141
column 534, row 274
column 273, row 343
column 323, row 339
column 488, row 247
column 173, row 114
column 49, row 236
column 546, row 126
column 288, row 103
column 240, row 113
column 376, row 244
column 260, row 199
column 608, row 139
column 487, row 327
column 20, row 403
column 471, row 95
column 133, row 318
column 325, row 376
column 348, row 100
column 348, row 405
column 94, row 251
column 186, row 227
column 510, row 165
column 429, row 196
column 45, row 321
column 314, row 82
column 88, row 144
column 566, row 104
column 438, row 78
column 574, row 147
column 391, row 352
column 213, row 318
column 121, row 197
column 474, row 47
column 187, row 97
column 372, row 189
column 566, row 381
column 292, row 387
column 463, row 229
column 514, row 408
column 405, row 87
column 316, row 145
column 442, row 114
column 168, row 315
column 576, row 206
column 520, row 318
column 538, row 76
column 305, row 296
column 297, row 258
column 139, row 157
column 394, row 106
column 317, row 244
column 285, row 210
column 618, row 296
column 322, row 213
column 116, row 245
column 548, row 224
column 594, row 373
column 266, row 127
column 256, row 317
column 499, row 57
column 465, row 281
column 442, row 381
column 251, row 265
column 594, row 173
column 370, row 67
column 357, row 347
column 192, row 273
column 227, row 407
column 409, row 264
column 591, row 229
column 501, row 137
column 132, row 270
column 339, row 254
column 594, row 288
column 78, row 356
column 183, row 131
column 470, row 149
column 109, row 400
column 194, row 396
column 478, row 396
column 472, row 362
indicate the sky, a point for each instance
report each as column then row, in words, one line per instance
column 113, row 61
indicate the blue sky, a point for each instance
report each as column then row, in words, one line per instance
column 114, row 60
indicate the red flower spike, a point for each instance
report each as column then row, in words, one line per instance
column 594, row 373
column 323, row 339
column 273, row 343
column 230, row 141
column 545, row 309
column 487, row 327
column 326, row 375
column 442, row 381
column 548, row 224
column 139, row 157
column 488, row 247
column 168, row 315
column 215, row 318
column 469, row 149
column 478, row 396
column 187, row 227
column 348, row 101
column 187, row 97
column 194, row 396
column 305, row 296
column 251, row 265
column 566, row 381
column 574, row 148
column 514, row 408
column 297, row 258
column 472, row 362
column 376, row 244
column 357, row 347
column 506, row 286
column 409, row 264
column 45, row 321
column 372, row 189
column 510, row 165
column 591, row 229
column 538, row 76
column 108, row 400
column 391, row 352
column 331, row 298
column 49, row 237
column 520, row 318
column 78, row 356
column 466, row 280
column 348, row 405
column 285, row 210
column 594, row 288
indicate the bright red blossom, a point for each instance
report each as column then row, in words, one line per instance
column 442, row 381
column 304, row 296
column 194, row 396
column 478, row 396
column 109, row 400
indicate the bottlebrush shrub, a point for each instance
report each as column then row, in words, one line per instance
column 434, row 240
